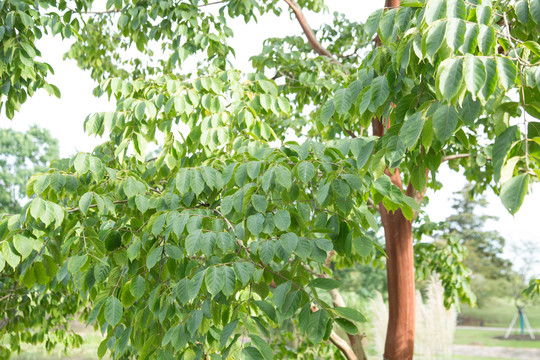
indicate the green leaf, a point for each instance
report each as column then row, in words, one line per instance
column 486, row 39
column 386, row 26
column 456, row 9
column 229, row 284
column 253, row 169
column 85, row 201
column 435, row 10
column 282, row 220
column 513, row 192
column 82, row 163
column 372, row 23
column 340, row 188
column 317, row 326
column 534, row 8
column 435, row 38
column 227, row 332
column 139, row 110
column 322, row 194
column 501, row 147
column 411, row 130
column 225, row 241
column 138, row 286
column 507, row 71
column 306, row 171
column 226, row 205
column 23, row 245
column 255, row 224
column 522, row 11
column 259, row 203
column 363, row 245
column 491, row 79
column 183, row 181
column 193, row 242
column 289, row 241
column 154, row 257
column 410, row 3
column 243, row 271
column 194, row 321
column 445, row 120
column 347, row 325
column 252, row 353
column 214, row 279
column 471, row 39
column 266, row 251
column 263, row 347
column 38, row 208
column 342, row 101
column 379, row 91
column 475, row 74
column 267, row 309
column 350, row 314
column 142, row 203
column 324, row 283
column 197, row 181
column 327, row 111
column 455, row 33
column 283, row 176
column 449, row 77
column 113, row 311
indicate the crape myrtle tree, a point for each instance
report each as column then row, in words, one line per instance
column 230, row 231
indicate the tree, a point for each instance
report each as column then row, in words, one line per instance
column 21, row 155
column 230, row 230
column 484, row 247
column 29, row 314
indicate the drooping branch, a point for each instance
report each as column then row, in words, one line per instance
column 312, row 40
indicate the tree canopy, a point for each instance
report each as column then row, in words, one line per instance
column 229, row 230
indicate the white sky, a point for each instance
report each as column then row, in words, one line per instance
column 64, row 117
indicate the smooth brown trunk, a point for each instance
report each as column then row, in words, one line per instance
column 399, row 343
column 400, row 276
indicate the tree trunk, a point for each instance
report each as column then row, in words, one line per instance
column 400, row 276
column 399, row 343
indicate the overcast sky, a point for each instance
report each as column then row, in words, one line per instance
column 64, row 117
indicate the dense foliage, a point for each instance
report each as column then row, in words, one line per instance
column 229, row 230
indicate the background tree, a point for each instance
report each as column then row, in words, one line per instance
column 30, row 315
column 231, row 229
column 481, row 250
column 22, row 154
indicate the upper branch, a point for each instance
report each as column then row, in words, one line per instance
column 313, row 42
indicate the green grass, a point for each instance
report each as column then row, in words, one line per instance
column 87, row 351
column 489, row 338
column 499, row 313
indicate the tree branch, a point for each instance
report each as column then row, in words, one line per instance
column 454, row 157
column 312, row 40
column 356, row 340
column 342, row 345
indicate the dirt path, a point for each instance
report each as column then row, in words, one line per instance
column 497, row 351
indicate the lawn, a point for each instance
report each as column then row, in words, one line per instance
column 499, row 313
column 489, row 338
column 86, row 352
